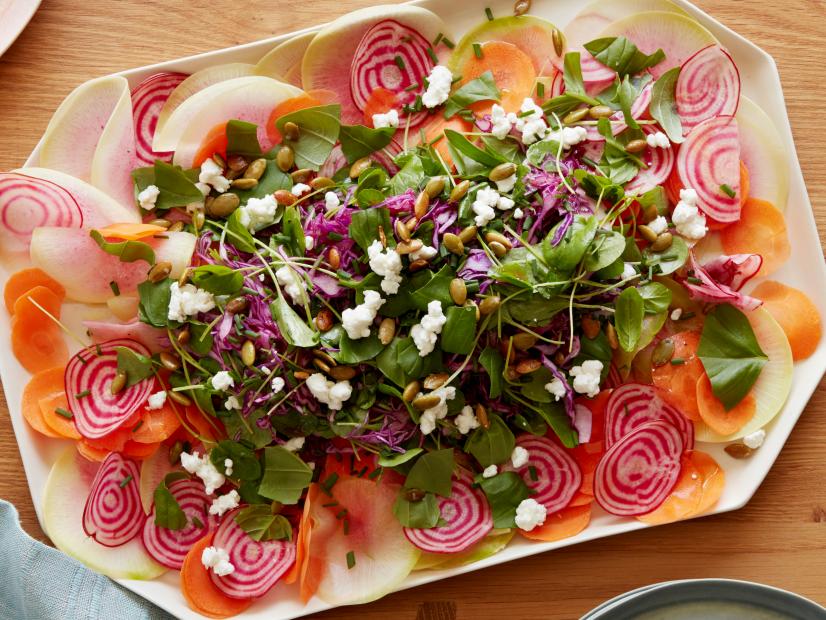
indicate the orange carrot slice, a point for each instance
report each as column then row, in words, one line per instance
column 157, row 425
column 91, row 453
column 380, row 101
column 761, row 230
column 684, row 499
column 60, row 424
column 25, row 280
column 679, row 382
column 745, row 183
column 140, row 451
column 130, row 231
column 37, row 342
column 434, row 133
column 796, row 314
column 512, row 70
column 587, row 457
column 214, row 142
column 200, row 593
column 714, row 480
column 45, row 384
column 714, row 414
column 563, row 524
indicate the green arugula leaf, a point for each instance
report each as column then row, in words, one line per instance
column 730, row 354
column 459, row 330
column 364, row 227
column 319, row 130
column 285, row 476
column 126, row 251
column 621, row 55
column 482, row 88
column 471, row 151
column 137, row 367
column 238, row 235
column 494, row 364
column 358, row 141
column 572, row 73
column 293, row 328
column 259, row 522
column 656, row 297
column 627, row 94
column 399, row 458
column 218, row 279
column 245, row 465
column 432, row 472
column 168, row 512
column 491, row 446
column 176, row 186
column 607, row 247
column 663, row 106
column 153, row 307
column 242, row 139
column 505, row 492
column 420, row 514
column 628, row 317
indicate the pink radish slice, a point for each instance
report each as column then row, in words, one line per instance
column 583, row 423
column 708, row 86
column 27, row 203
column 557, row 85
column 258, row 565
column 710, row 290
column 169, row 547
column 152, row 338
column 660, row 163
column 618, row 124
column 708, row 160
column 468, row 517
column 638, row 472
column 734, row 271
column 551, row 473
column 148, row 98
column 113, row 514
column 634, row 404
column 394, row 57
column 101, row 412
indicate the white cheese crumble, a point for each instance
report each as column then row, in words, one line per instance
column 427, row 331
column 309, row 242
column 217, row 559
column 388, row 119
column 688, row 220
column 357, row 321
column 490, row 471
column 506, row 184
column 332, row 394
column 586, row 377
column 148, row 197
column 466, row 421
column 258, row 213
column 202, row 467
column 657, row 140
column 556, row 388
column 427, row 421
column 277, row 385
column 331, row 200
column 483, row 205
column 676, row 313
column 232, row 403
column 426, row 252
column 203, row 188
column 501, row 121
column 531, row 122
column 568, row 136
column 519, row 457
column 438, row 86
column 212, row 174
column 530, row 514
column 156, row 400
column 659, row 225
column 755, row 440
column 295, row 444
column 224, row 503
column 628, row 271
column 518, row 213
column 188, row 300
column 228, row 464
column 222, row 381
column 388, row 264
column 299, row 189
column 293, row 284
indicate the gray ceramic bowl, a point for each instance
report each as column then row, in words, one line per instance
column 708, row 599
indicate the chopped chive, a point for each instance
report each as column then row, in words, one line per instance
column 533, row 473
column 438, row 38
column 362, row 472
column 341, row 514
column 686, row 315
column 83, row 394
column 137, row 426
column 477, row 50
column 66, row 414
column 432, row 55
column 197, row 522
column 417, row 106
column 115, row 288
column 375, row 473
column 540, row 90
column 489, row 13
column 345, row 526
column 726, row 189
column 448, row 43
column 327, row 485
column 125, row 481
column 668, row 257
column 351, row 559
column 330, row 504
column 250, row 291
column 399, row 62
column 525, row 113
column 677, row 361
column 98, row 350
column 694, row 280
column 412, row 87
column 334, row 236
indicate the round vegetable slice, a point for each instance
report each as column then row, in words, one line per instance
column 796, row 314
column 683, row 501
column 113, row 514
column 91, row 372
column 258, row 564
column 660, row 163
column 283, row 62
column 633, row 404
column 563, row 524
column 199, row 591
column 638, row 472
column 551, row 472
column 153, row 470
column 762, row 230
column 468, row 518
column 596, row 16
column 148, row 99
column 764, row 154
column 708, row 86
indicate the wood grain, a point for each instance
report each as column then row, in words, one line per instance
column 779, row 538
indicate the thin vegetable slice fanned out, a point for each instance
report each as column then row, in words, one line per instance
column 551, row 472
column 468, row 520
column 258, row 564
column 113, row 514
column 764, row 153
column 91, row 372
column 633, row 404
column 638, row 472
column 708, row 86
column 283, row 62
column 660, row 163
column 148, row 99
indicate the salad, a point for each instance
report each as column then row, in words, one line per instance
column 392, row 297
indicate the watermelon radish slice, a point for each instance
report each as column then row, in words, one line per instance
column 26, row 203
column 734, row 271
column 124, row 307
column 551, row 472
column 258, row 565
column 640, row 470
column 328, row 59
column 772, row 387
column 283, row 62
column 679, row 36
column 169, row 547
column 68, row 486
column 764, row 154
column 709, row 160
column 383, row 556
column 468, row 516
column 596, row 16
column 93, row 270
column 708, row 86
column 705, row 288
column 154, row 339
column 148, row 99
column 633, row 404
column 113, row 514
column 92, row 370
column 153, row 470
column 660, row 163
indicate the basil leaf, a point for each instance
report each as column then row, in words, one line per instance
column 200, row 340
column 238, row 235
column 663, row 106
column 364, row 226
column 432, row 472
column 470, row 150
column 559, row 420
column 505, row 492
column 261, row 524
column 491, row 446
column 218, row 279
column 137, row 367
column 126, row 251
column 628, row 317
column 572, row 73
column 621, row 55
column 358, row 141
column 168, row 512
column 242, row 139
column 627, row 94
column 153, row 307
column 605, row 249
column 293, row 232
column 437, row 287
column 669, row 260
column 482, row 88
column 285, row 476
column 399, row 458
column 176, row 187
column 730, row 354
column 656, row 297
column 400, row 361
column 568, row 253
column 319, row 130
column 460, row 330
column 245, row 465
column 358, row 351
column 295, row 330
column 421, row 514
column 409, row 176
column 494, row 364
column 534, row 390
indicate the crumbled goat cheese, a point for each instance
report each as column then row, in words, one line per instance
column 426, row 252
column 309, row 242
column 388, row 264
column 531, row 122
column 568, row 136
column 586, row 377
column 293, row 283
column 258, row 213
column 438, row 86
column 294, row 445
column 277, row 385
column 518, row 213
column 224, row 503
column 148, row 197
column 659, row 224
column 427, row 331
column 428, row 418
column 212, row 174
column 628, row 271
column 519, row 457
column 657, row 140
column 506, row 184
column 676, row 313
column 331, row 200
column 202, row 467
column 332, row 394
column 357, row 321
column 299, row 189
column 755, row 440
column 156, row 400
column 689, row 196
column 530, row 514
column 483, row 205
column 466, row 421
column 502, row 121
column 222, row 381
column 490, row 471
column 218, row 560
column 203, row 188
column 188, row 300
column 687, row 218
column 228, row 464
column 556, row 388
column 232, row 403
column 388, row 119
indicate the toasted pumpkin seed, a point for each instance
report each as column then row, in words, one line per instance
column 176, row 226
column 410, row 391
column 186, row 274
column 322, row 365
column 502, row 172
column 636, row 146
column 453, row 244
column 590, row 327
column 301, row 375
column 387, row 330
column 401, row 231
column 223, row 206
column 458, row 291
column 495, row 237
column 322, row 182
column 521, row 7
column 359, row 166
column 482, row 416
column 248, row 353
column 467, row 234
column 459, row 192
column 574, row 116
column 302, row 175
column 647, row 233
column 417, row 265
column 118, row 383
column 558, row 42
column 435, row 381
column 236, row 163
column 738, row 450
column 611, row 334
column 160, row 271
column 175, row 452
column 421, row 205
column 663, row 242
column 426, row 401
column 285, row 158
column 237, row 305
column 435, row 187
column 600, row 111
column 219, row 160
column 179, row 398
column 284, row 197
column 334, row 258
column 291, row 131
column 170, row 361
column 498, row 249
column 161, row 222
column 183, row 336
column 523, row 341
column 256, row 169
column 408, row 247
column 342, row 373
column 324, row 320
column 244, row 183
column 663, row 352
column 489, row 305
column 649, row 214
column 323, row 355
column 528, row 366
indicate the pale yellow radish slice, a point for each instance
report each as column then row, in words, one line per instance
column 772, row 386
column 596, row 16
column 283, row 62
column 197, row 82
column 153, row 470
column 64, row 498
column 124, row 307
column 764, row 154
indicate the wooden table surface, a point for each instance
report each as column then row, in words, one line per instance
column 779, row 538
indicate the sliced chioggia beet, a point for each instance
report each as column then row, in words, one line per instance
column 660, row 163
column 93, row 269
column 596, row 16
column 283, row 62
column 772, row 387
column 708, row 86
column 764, row 154
column 633, row 404
column 328, row 59
column 148, row 99
column 113, row 514
column 64, row 498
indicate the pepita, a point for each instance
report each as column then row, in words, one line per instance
column 459, row 192
column 435, row 381
column 636, row 146
column 161, row 222
column 495, row 237
column 410, row 391
column 663, row 352
column 334, row 258
column 574, row 116
column 414, row 495
column 426, row 401
column 738, row 451
column 470, row 303
column 417, row 265
column 198, row 219
column 176, row 226
column 248, row 353
column 523, row 341
column 118, row 383
column 244, row 183
column 160, row 271
column 175, row 452
column 435, row 187
column 236, row 163
column 649, row 214
column 382, row 236
column 458, row 291
column 558, row 42
column 256, row 169
column 237, row 305
column 322, row 365
column 291, row 131
column 179, row 398
column 421, row 205
column 611, row 334
column 502, row 172
column 600, row 111
column 647, row 233
column 489, row 305
column 663, row 242
column 590, row 327
column 301, row 375
column 521, row 7
column 498, row 249
column 401, row 231
column 322, row 182
column 186, row 274
column 170, row 361
column 284, row 197
column 482, row 416
column 526, row 367
column 342, row 373
column 453, row 244
column 467, row 234
column 223, row 206
column 219, row 160
column 359, row 166
column 324, row 320
column 285, row 159
column 323, row 355
column 387, row 330
column 408, row 247
column 183, row 336
column 301, row 175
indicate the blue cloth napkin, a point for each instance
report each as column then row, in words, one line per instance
column 41, row 583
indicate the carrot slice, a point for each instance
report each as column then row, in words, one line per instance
column 434, row 133
column 512, row 70
column 796, row 314
column 116, row 440
column 36, row 340
column 745, row 183
column 380, row 101
column 310, row 99
column 200, row 593
column 157, row 425
column 214, row 142
column 91, row 453
column 563, row 524
column 140, row 451
column 678, row 382
column 587, row 457
column 25, row 280
column 60, row 424
column 761, row 230
column 130, row 231
column 683, row 501
column 43, row 385
column 199, row 422
column 300, row 570
column 714, row 414
column 714, row 480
